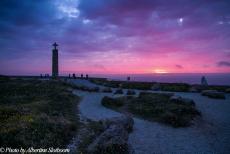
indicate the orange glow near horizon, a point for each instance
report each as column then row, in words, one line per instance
column 160, row 71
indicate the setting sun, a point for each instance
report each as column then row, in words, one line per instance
column 160, row 71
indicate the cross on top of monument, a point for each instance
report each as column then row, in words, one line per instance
column 55, row 45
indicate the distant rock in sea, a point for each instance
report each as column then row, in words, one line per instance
column 204, row 81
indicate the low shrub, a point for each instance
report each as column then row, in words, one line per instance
column 180, row 87
column 174, row 87
column 107, row 90
column 213, row 94
column 156, row 107
column 124, row 84
column 227, row 90
column 92, row 129
column 118, row 91
column 131, row 92
column 110, row 102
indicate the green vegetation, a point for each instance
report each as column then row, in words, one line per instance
column 144, row 85
column 119, row 91
column 211, row 87
column 107, row 90
column 179, row 87
column 131, row 92
column 124, row 84
column 112, row 103
column 213, row 94
column 155, row 107
column 36, row 113
column 92, row 129
column 174, row 87
column 85, row 88
column 107, row 136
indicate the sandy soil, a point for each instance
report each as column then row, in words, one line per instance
column 209, row 134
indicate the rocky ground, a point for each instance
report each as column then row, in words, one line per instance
column 209, row 134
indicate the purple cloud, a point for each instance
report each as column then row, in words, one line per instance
column 223, row 64
column 179, row 66
column 142, row 28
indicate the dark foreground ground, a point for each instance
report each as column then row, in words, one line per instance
column 36, row 113
column 43, row 113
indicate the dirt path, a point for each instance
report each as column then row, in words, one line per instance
column 211, row 134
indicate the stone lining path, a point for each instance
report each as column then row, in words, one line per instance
column 211, row 134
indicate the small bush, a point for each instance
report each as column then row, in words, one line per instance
column 4, row 78
column 131, row 92
column 180, row 87
column 156, row 107
column 110, row 102
column 92, row 129
column 119, row 91
column 227, row 90
column 213, row 94
column 107, row 90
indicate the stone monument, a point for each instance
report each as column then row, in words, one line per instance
column 55, row 61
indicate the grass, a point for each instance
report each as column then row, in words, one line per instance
column 131, row 92
column 36, row 113
column 85, row 88
column 92, row 129
column 213, row 94
column 124, row 84
column 112, row 103
column 155, row 107
column 119, row 91
column 143, row 85
column 211, row 87
column 174, row 87
column 107, row 90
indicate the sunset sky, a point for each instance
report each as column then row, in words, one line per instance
column 115, row 36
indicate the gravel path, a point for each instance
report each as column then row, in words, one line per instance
column 210, row 134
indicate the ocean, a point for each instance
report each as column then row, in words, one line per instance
column 191, row 78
